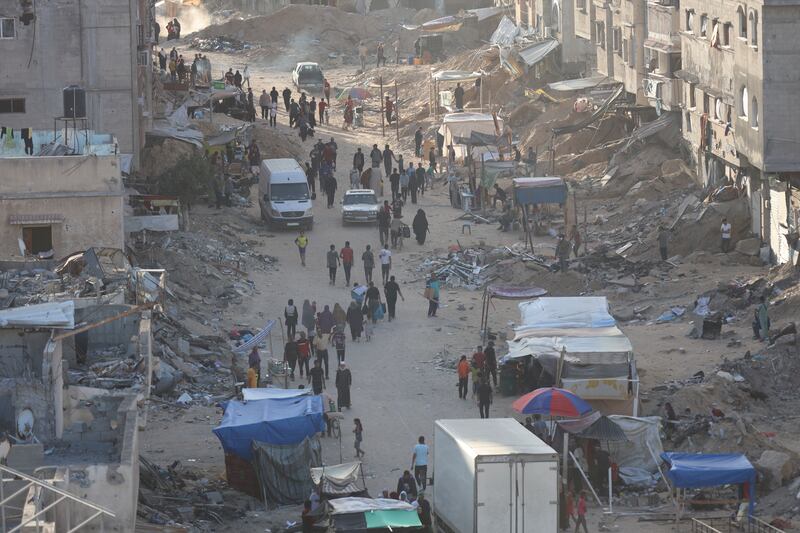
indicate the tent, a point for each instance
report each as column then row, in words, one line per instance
column 536, row 191
column 356, row 515
column 456, row 125
column 283, row 470
column 338, row 481
column 564, row 312
column 634, row 457
column 452, row 76
column 250, row 395
column 505, row 292
column 273, row 421
column 595, row 426
column 689, row 471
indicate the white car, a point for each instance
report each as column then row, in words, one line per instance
column 308, row 76
column 360, row 205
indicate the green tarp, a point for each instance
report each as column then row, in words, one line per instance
column 392, row 518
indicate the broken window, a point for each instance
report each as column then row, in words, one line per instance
column 617, row 40
column 692, row 96
column 12, row 105
column 690, row 20
column 703, row 25
column 8, row 29
column 600, row 32
column 742, row 23
column 37, row 239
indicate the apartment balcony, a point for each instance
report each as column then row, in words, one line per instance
column 664, row 92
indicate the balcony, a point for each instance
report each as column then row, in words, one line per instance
column 663, row 90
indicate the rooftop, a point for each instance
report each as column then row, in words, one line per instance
column 56, row 143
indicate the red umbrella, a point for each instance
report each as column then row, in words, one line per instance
column 551, row 401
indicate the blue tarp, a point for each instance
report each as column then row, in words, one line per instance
column 274, row 421
column 696, row 470
column 549, row 190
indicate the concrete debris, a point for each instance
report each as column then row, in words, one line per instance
column 776, row 467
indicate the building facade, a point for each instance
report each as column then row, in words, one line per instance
column 620, row 31
column 102, row 46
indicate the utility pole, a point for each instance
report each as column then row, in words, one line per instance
column 383, row 127
column 397, row 110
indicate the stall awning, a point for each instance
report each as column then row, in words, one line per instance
column 456, row 75
column 537, row 52
column 566, row 312
column 697, row 470
column 667, row 48
column 540, row 190
column 339, row 480
column 36, row 219
column 514, row 292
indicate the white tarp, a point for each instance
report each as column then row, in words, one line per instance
column 343, row 471
column 566, row 312
column 57, row 315
column 463, row 124
column 250, row 395
column 605, row 349
column 363, row 505
column 456, row 75
column 579, row 83
column 634, row 453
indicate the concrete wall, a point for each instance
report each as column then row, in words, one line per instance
column 91, row 43
column 25, row 176
column 584, row 21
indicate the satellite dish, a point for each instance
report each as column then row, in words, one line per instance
column 25, row 424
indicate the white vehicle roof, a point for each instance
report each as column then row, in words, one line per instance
column 304, row 63
column 359, row 191
column 283, row 170
column 497, row 436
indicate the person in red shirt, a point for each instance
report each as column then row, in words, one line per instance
column 346, row 255
column 581, row 514
column 463, row 377
column 303, row 352
column 321, row 108
column 389, row 107
column 479, row 358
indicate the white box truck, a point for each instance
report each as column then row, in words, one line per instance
column 283, row 194
column 493, row 476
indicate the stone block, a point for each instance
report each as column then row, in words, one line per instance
column 749, row 247
column 776, row 467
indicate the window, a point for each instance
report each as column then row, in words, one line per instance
column 728, row 114
column 556, row 22
column 581, row 5
column 754, row 113
column 688, row 119
column 692, row 96
column 616, row 40
column 742, row 23
column 726, row 34
column 753, row 20
column 625, row 50
column 718, row 111
column 706, row 103
column 600, row 33
column 12, row 105
column 743, row 102
column 8, row 29
column 690, row 20
column 37, row 239
column 703, row 25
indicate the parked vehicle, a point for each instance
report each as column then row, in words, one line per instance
column 283, row 194
column 308, row 76
column 493, row 475
column 360, row 205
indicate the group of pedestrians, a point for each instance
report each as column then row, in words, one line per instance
column 482, row 365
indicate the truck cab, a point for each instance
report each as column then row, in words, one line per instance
column 283, row 194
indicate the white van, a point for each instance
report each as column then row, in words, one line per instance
column 283, row 194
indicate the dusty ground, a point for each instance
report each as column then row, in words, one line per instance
column 398, row 393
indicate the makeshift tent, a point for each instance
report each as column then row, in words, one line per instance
column 250, row 395
column 564, row 312
column 461, row 125
column 256, row 339
column 505, row 292
column 340, row 480
column 690, row 471
column 283, row 470
column 452, row 77
column 636, row 462
column 353, row 515
column 538, row 191
column 273, row 421
column 595, row 426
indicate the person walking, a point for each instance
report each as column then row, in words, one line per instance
column 663, row 239
column 563, row 251
column 404, row 183
column 287, row 98
column 321, row 107
column 372, row 300
column 321, row 342
column 725, row 232
column 418, row 142
column 325, row 320
column 484, row 397
column 388, row 159
column 419, row 463
column 394, row 182
column 330, row 189
column 384, row 221
column 432, row 157
column 362, row 55
column 263, row 103
column 333, row 263
column 580, row 519
column 463, row 377
column 385, row 257
column 358, row 431
column 761, row 322
column 420, row 226
column 346, row 255
column 339, row 339
column 490, row 362
column 302, row 243
column 355, row 178
column 316, row 378
column 421, row 177
column 355, row 319
column 273, row 114
column 307, row 318
column 290, row 354
column 339, row 317
column 358, row 160
column 368, row 258
column 273, row 95
column 344, row 379
column 413, row 184
column 254, row 362
column 432, row 294
column 303, row 353
column 391, row 290
column 291, row 314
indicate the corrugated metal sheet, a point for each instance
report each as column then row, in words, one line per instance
column 537, row 52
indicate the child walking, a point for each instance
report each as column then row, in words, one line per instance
column 359, row 432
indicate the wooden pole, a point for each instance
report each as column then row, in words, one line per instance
column 383, row 127
column 397, row 109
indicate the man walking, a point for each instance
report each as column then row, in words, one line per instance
column 346, row 255
column 291, row 315
column 358, row 160
column 419, row 463
column 316, row 377
column 333, row 263
column 369, row 263
column 362, row 55
column 725, row 231
column 490, row 362
column 463, row 377
column 394, row 181
column 263, row 102
column 391, row 290
column 388, row 158
column 418, row 142
column 302, row 242
column 385, row 256
column 404, row 182
column 563, row 251
column 287, row 98
column 384, row 221
column 432, row 294
column 484, row 397
column 273, row 95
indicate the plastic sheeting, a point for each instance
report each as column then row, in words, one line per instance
column 456, row 125
column 339, row 480
column 595, row 426
column 256, row 339
column 599, row 112
column 274, row 421
column 540, row 190
column 56, row 315
column 283, row 471
column 250, row 395
column 363, row 505
column 641, row 432
column 565, row 312
column 456, row 75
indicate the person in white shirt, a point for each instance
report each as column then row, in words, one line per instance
column 725, row 231
column 419, row 463
column 385, row 256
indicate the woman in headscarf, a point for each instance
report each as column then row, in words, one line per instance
column 326, row 321
column 344, row 379
column 307, row 317
column 339, row 316
column 420, row 226
column 355, row 319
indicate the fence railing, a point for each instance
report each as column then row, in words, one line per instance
column 46, row 497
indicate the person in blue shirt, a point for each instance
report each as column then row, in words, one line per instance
column 419, row 463
column 432, row 293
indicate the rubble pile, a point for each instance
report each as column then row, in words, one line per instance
column 220, row 44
